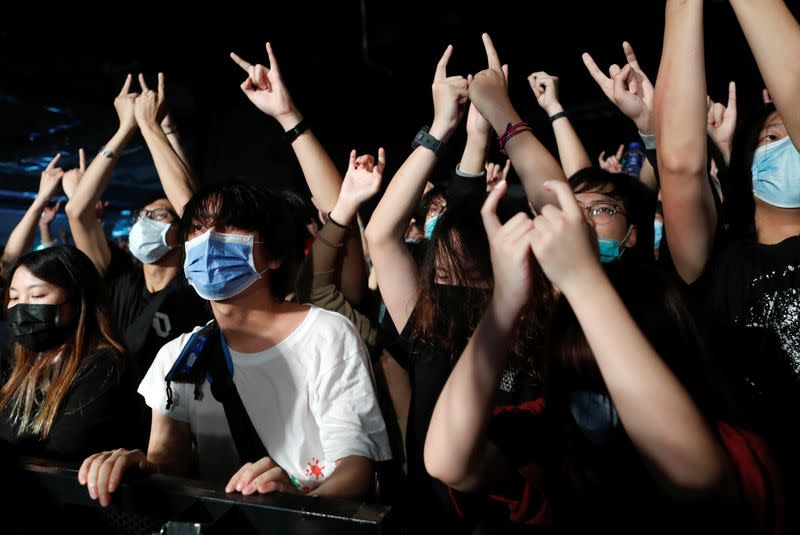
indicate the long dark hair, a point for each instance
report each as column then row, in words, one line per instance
column 38, row 382
column 737, row 185
column 658, row 306
column 446, row 314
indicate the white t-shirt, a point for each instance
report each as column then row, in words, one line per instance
column 311, row 399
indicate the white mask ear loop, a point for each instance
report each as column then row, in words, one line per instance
column 622, row 247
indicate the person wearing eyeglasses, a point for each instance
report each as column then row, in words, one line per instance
column 151, row 301
column 620, row 209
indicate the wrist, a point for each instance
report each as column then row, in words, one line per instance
column 289, row 120
column 500, row 121
column 343, row 213
column 441, row 131
column 554, row 108
column 505, row 310
column 645, row 125
column 584, row 282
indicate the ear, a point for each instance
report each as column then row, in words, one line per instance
column 632, row 238
column 275, row 264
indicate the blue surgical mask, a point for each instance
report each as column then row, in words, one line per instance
column 220, row 266
column 611, row 250
column 595, row 415
column 776, row 174
column 147, row 240
column 430, row 224
column 658, row 228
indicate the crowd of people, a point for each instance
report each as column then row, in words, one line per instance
column 588, row 349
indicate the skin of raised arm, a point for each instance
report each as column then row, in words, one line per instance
column 173, row 172
column 531, row 160
column 571, row 151
column 396, row 270
column 761, row 22
column 690, row 216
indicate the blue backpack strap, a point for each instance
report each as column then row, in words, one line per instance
column 189, row 367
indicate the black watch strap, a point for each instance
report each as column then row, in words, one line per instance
column 293, row 133
column 423, row 138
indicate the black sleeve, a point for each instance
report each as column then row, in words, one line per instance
column 99, row 411
column 462, row 188
column 652, row 157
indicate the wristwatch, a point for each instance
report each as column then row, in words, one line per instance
column 426, row 140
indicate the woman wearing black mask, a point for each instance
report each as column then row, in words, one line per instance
column 67, row 390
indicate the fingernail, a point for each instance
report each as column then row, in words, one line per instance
column 104, row 501
column 228, row 489
column 112, row 487
column 92, row 493
column 239, row 487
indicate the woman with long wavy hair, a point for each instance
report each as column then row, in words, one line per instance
column 66, row 389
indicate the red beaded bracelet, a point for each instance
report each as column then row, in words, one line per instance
column 511, row 131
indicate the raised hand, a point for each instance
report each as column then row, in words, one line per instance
column 545, row 88
column 562, row 240
column 73, row 176
column 612, row 164
column 722, row 120
column 450, row 95
column 50, row 180
column 263, row 476
column 49, row 213
column 628, row 88
column 151, row 107
column 361, row 183
column 125, row 105
column 765, row 97
column 496, row 174
column 510, row 250
column 488, row 90
column 265, row 88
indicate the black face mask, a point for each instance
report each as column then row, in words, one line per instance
column 36, row 327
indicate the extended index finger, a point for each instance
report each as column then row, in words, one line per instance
column 491, row 53
column 594, row 70
column 441, row 67
column 620, row 151
column 82, row 159
column 732, row 96
column 630, row 55
column 489, row 209
column 241, row 63
column 53, row 162
column 565, row 196
column 126, row 86
column 273, row 62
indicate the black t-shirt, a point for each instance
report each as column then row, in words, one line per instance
column 748, row 306
column 180, row 311
column 99, row 412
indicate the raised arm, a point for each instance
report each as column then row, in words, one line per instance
column 48, row 215
column 571, row 151
column 531, row 160
column 173, row 172
column 21, row 238
column 81, row 206
column 721, row 123
column 457, row 448
column 266, row 89
column 774, row 37
column 656, row 411
column 690, row 216
column 396, row 270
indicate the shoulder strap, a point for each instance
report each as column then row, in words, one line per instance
column 249, row 445
column 205, row 357
column 137, row 332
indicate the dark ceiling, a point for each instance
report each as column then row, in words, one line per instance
column 60, row 77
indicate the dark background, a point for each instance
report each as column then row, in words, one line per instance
column 360, row 72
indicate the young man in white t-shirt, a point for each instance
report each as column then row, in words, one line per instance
column 302, row 373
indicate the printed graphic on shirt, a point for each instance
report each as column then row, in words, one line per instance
column 508, row 381
column 315, row 469
column 778, row 311
column 162, row 325
column 302, row 488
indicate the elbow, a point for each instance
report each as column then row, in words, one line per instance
column 681, row 162
column 374, row 236
column 693, row 472
column 76, row 213
column 441, row 464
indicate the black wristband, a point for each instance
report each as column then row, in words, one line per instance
column 556, row 116
column 293, row 133
column 337, row 223
column 423, row 138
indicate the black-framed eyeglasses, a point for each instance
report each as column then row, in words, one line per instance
column 156, row 214
column 602, row 213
